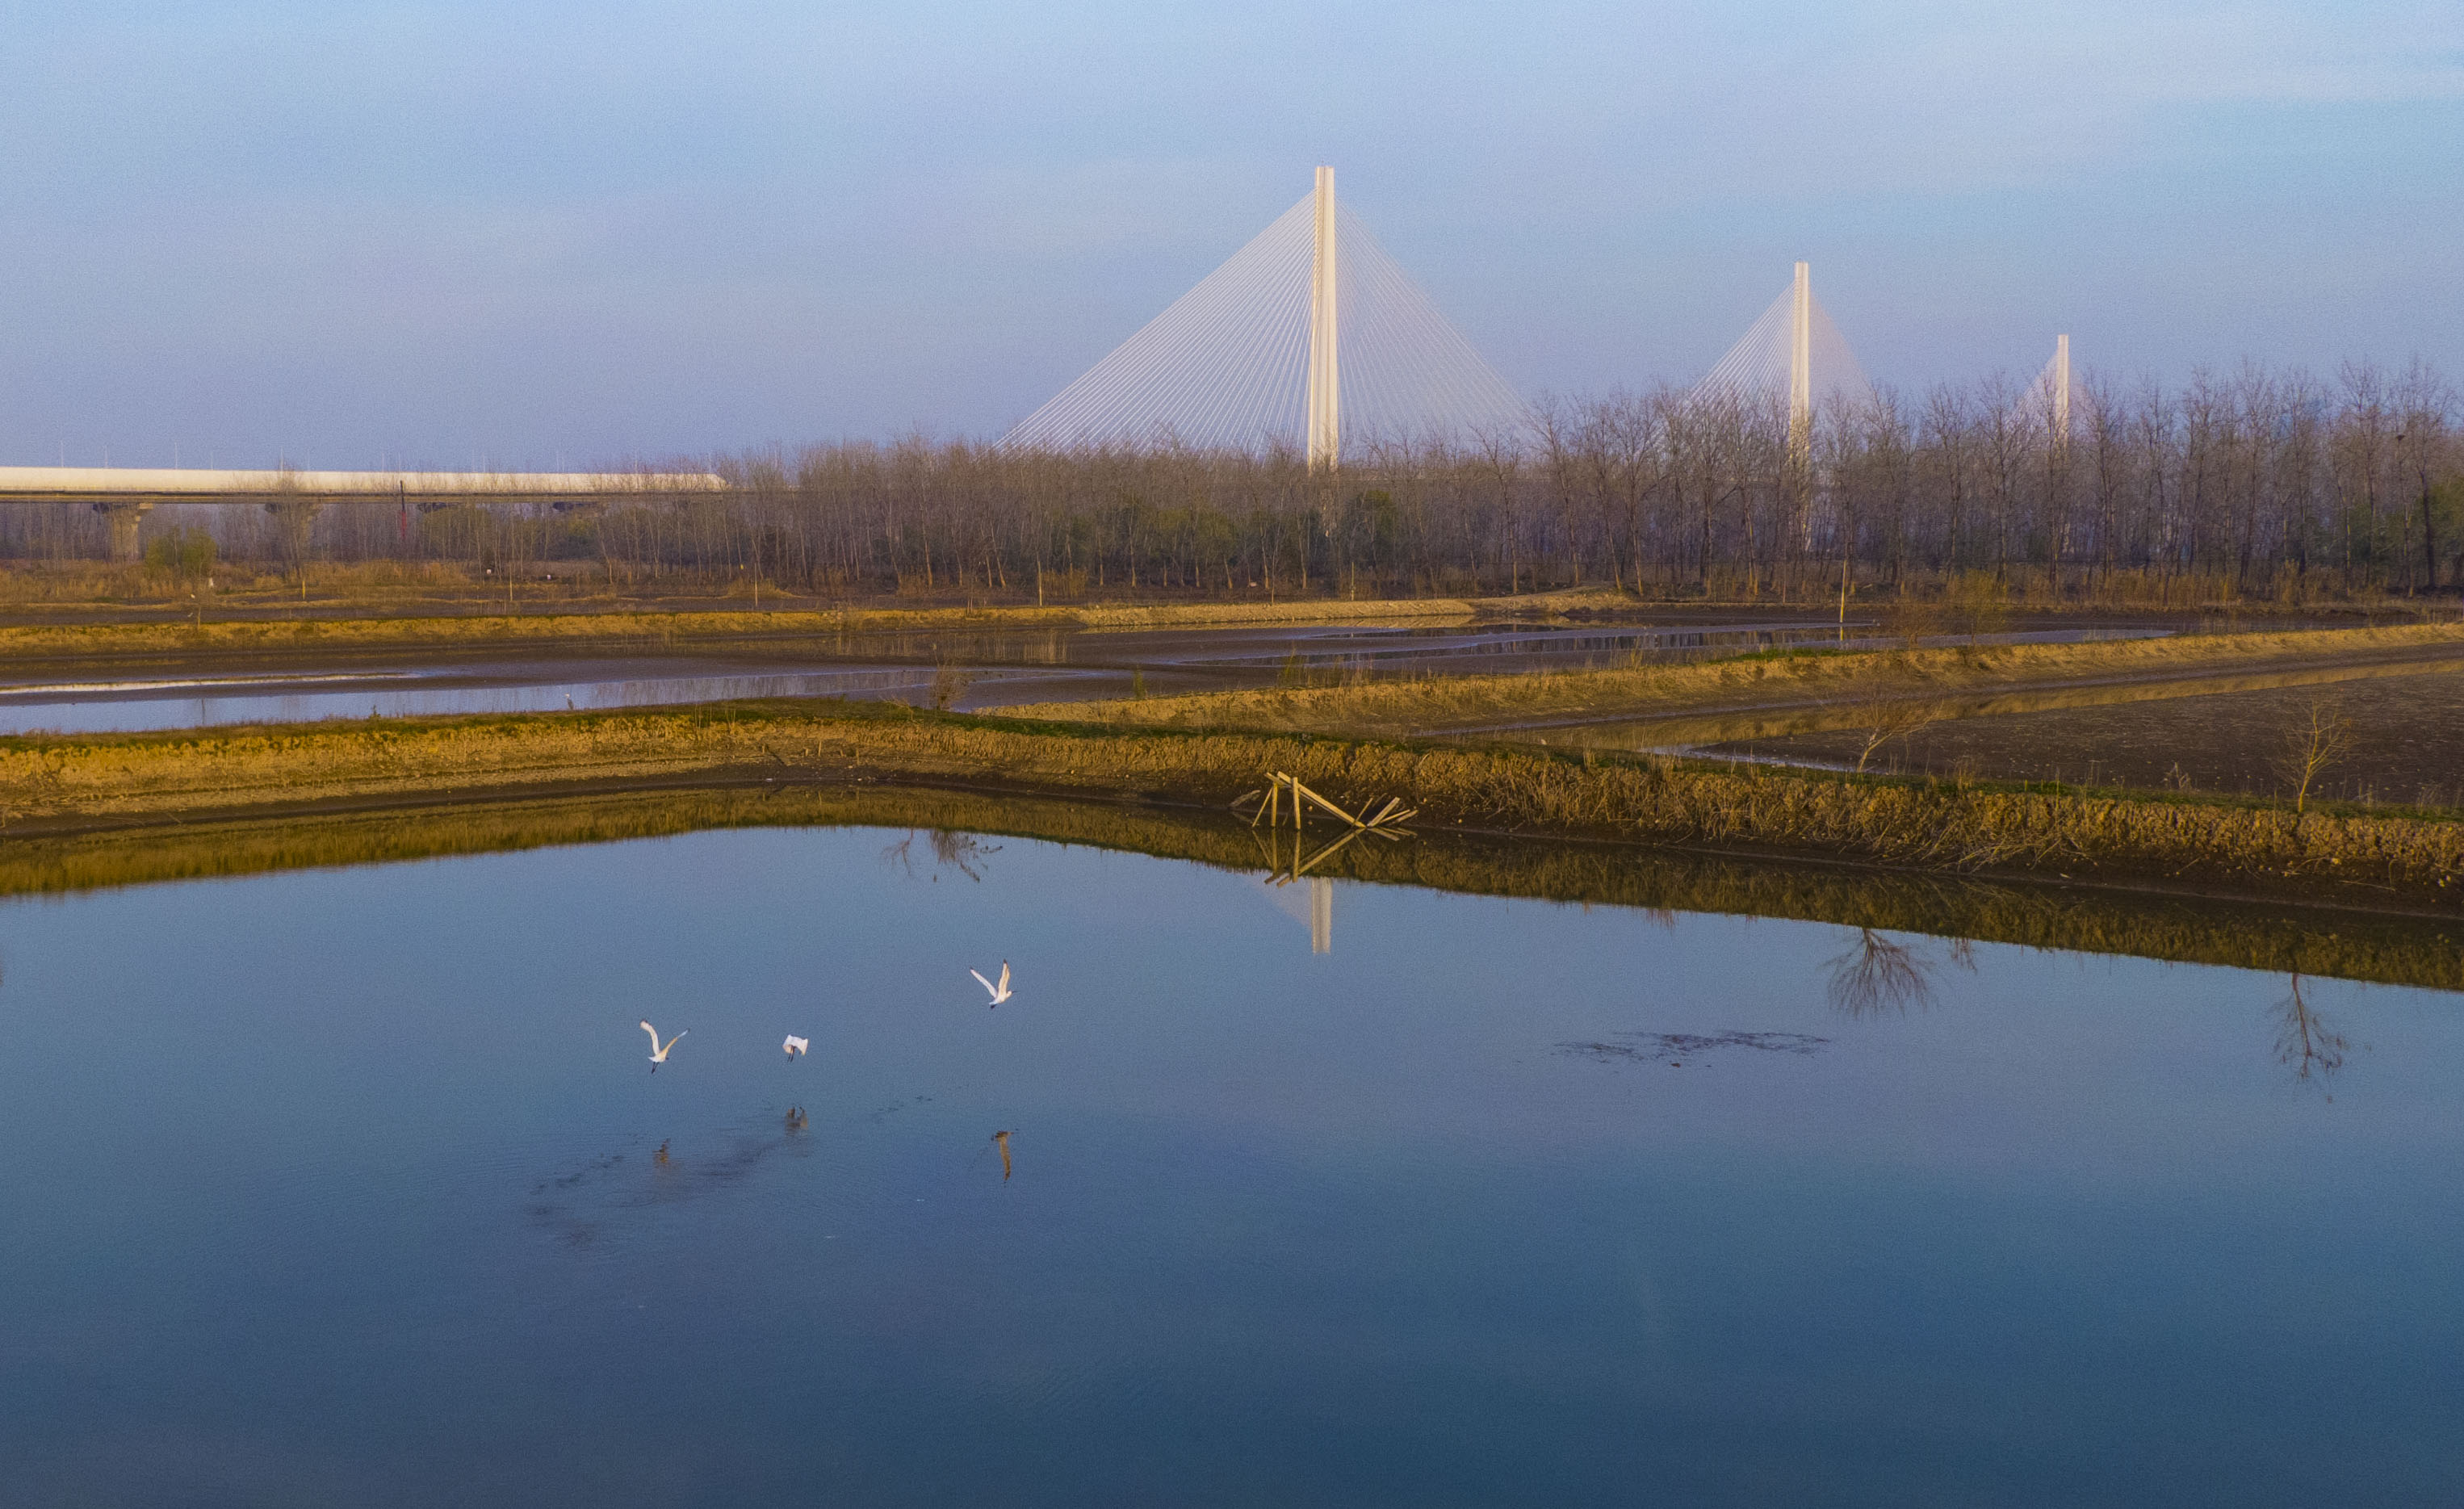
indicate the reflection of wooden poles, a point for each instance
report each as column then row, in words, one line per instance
column 1281, row 787
column 1270, row 847
column 1301, row 868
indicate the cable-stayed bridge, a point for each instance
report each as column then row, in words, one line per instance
column 1795, row 348
column 1311, row 338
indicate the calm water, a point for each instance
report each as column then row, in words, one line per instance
column 128, row 705
column 996, row 668
column 355, row 1187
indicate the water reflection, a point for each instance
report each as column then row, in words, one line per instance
column 579, row 1207
column 1312, row 905
column 1727, row 1242
column 963, row 669
column 2397, row 950
column 1876, row 974
column 950, row 849
column 135, row 707
column 2304, row 1042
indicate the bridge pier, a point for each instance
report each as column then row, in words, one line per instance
column 120, row 517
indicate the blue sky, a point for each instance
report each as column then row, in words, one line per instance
column 543, row 232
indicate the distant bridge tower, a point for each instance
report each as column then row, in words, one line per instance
column 1325, row 419
column 1800, row 365
column 1246, row 361
column 2061, row 390
column 1791, row 348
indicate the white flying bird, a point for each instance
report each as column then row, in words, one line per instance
column 795, row 1047
column 999, row 993
column 659, row 1052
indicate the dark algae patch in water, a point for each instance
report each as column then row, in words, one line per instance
column 1677, row 1049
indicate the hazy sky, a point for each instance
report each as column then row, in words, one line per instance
column 534, row 231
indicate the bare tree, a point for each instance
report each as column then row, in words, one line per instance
column 2314, row 744
column 1889, row 707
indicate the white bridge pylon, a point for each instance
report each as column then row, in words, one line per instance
column 1793, row 349
column 2051, row 393
column 1311, row 338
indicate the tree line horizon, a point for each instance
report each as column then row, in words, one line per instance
column 2261, row 483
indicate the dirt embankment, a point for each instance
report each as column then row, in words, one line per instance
column 629, row 630
column 1756, row 696
column 53, row 783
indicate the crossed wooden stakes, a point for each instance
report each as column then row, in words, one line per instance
column 1285, row 791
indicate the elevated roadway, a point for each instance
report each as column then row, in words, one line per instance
column 123, row 495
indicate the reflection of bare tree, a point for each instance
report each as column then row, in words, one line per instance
column 1876, row 974
column 962, row 852
column 2304, row 1042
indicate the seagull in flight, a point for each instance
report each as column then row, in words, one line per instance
column 795, row 1047
column 999, row 993
column 659, row 1051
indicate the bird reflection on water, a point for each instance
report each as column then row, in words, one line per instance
column 579, row 1206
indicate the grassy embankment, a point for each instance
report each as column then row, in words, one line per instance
column 633, row 629
column 2399, row 951
column 1794, row 691
column 2401, row 858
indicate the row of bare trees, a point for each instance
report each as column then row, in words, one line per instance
column 2256, row 483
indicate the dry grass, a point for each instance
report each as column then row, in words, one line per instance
column 1929, row 825
column 1402, row 707
column 89, row 585
column 1912, row 712
column 78, row 641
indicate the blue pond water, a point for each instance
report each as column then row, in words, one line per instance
column 347, row 1187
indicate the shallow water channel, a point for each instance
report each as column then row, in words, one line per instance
column 969, row 669
column 355, row 1186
